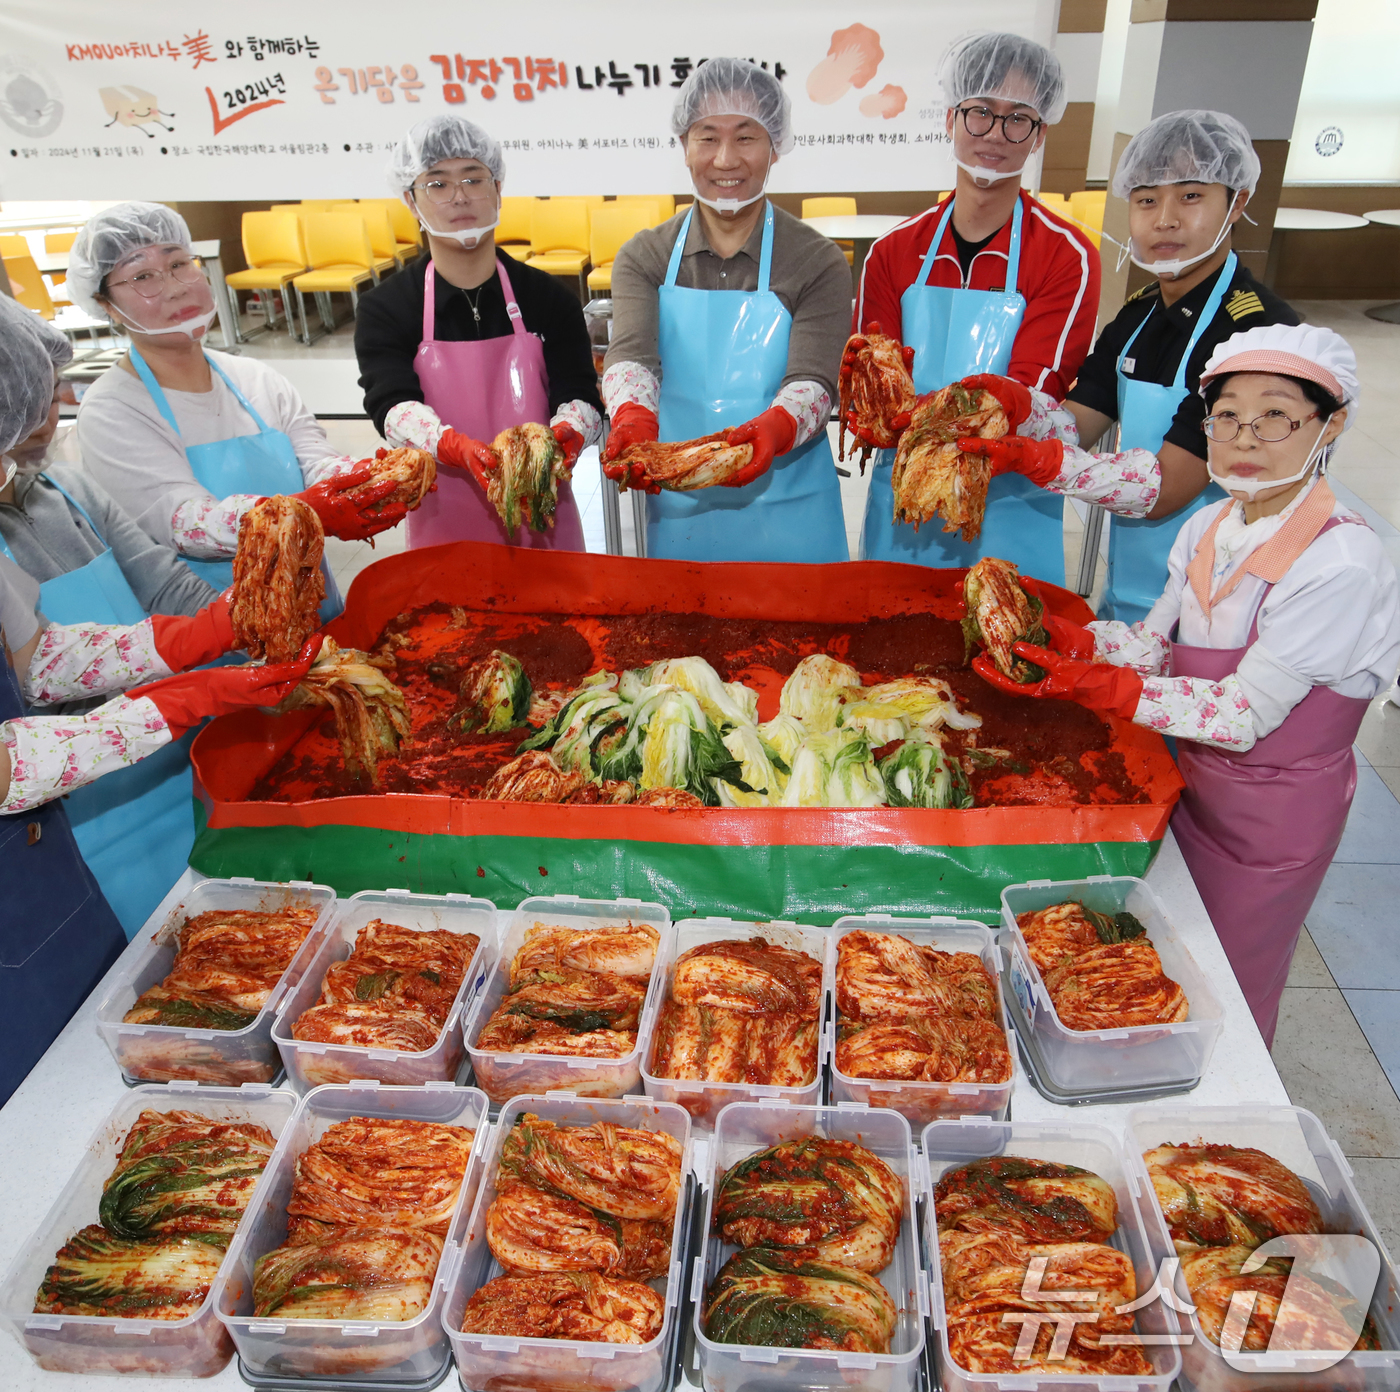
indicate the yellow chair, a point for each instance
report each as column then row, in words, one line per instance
column 665, row 203
column 610, row 227
column 1056, row 202
column 559, row 237
column 513, row 233
column 320, row 205
column 833, row 207
column 26, row 282
column 381, row 234
column 272, row 247
column 341, row 259
column 1087, row 207
column 408, row 236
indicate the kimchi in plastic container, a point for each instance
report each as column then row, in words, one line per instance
column 312, row 1064
column 162, row 1053
column 349, row 1351
column 1137, row 1056
column 502, row 1076
column 922, row 1102
column 1295, row 1138
column 485, row 1360
column 704, row 1100
column 743, row 1128
column 195, row 1347
column 948, row 1144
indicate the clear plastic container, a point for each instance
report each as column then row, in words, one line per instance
column 195, row 1347
column 492, row 1361
column 746, row 1127
column 503, row 1076
column 704, row 1101
column 312, row 1065
column 347, row 1350
column 1297, row 1139
column 921, row 1103
column 948, row 1144
column 1099, row 1060
column 161, row 1053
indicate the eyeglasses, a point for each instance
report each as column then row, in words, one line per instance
column 445, row 190
column 1272, row 428
column 149, row 284
column 1016, row 127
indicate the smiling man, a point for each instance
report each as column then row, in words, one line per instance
column 732, row 316
column 987, row 282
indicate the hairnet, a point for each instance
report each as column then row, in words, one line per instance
column 735, row 87
column 1197, row 147
column 109, row 237
column 1308, row 351
column 442, row 138
column 1006, row 66
column 30, row 352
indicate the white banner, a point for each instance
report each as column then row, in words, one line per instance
column 288, row 99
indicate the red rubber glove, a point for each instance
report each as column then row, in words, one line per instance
column 190, row 642
column 460, row 451
column 351, row 519
column 1098, row 685
column 632, row 423
column 1014, row 399
column 1038, row 460
column 770, row 434
column 184, row 700
column 1066, row 638
column 570, row 441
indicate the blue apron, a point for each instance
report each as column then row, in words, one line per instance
column 724, row 355
column 956, row 333
column 58, row 935
column 135, row 826
column 263, row 465
column 1138, row 548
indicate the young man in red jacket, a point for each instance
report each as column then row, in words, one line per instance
column 987, row 284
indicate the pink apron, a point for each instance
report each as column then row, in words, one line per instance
column 482, row 387
column 1259, row 829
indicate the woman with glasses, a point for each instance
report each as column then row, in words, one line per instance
column 988, row 287
column 184, row 439
column 1279, row 622
column 470, row 343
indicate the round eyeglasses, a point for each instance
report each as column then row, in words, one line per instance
column 1017, row 127
column 445, row 190
column 1272, row 428
column 148, row 284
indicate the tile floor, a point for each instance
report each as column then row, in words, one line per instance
column 1338, row 1042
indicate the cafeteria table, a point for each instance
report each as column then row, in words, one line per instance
column 860, row 228
column 1386, row 313
column 1304, row 220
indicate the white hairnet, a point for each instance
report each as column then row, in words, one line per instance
column 735, row 87
column 109, row 237
column 1006, row 66
column 1309, row 351
column 30, row 353
column 1195, row 147
column 442, row 138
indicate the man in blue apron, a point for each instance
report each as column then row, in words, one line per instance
column 988, row 282
column 731, row 317
column 1186, row 177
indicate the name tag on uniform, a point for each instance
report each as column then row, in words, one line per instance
column 1129, row 364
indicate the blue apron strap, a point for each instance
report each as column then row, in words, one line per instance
column 1208, row 312
column 1132, row 338
column 1013, row 257
column 765, row 256
column 5, row 547
column 152, row 386
column 242, row 400
column 922, row 277
column 73, row 502
column 674, row 265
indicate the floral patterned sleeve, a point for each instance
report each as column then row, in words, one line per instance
column 583, row 417
column 1197, row 708
column 413, row 423
column 808, row 404
column 1049, row 420
column 331, row 466
column 53, row 754
column 1135, row 646
column 1126, row 483
column 630, row 381
column 207, row 528
column 75, row 661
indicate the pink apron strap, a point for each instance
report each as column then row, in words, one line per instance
column 517, row 320
column 429, row 303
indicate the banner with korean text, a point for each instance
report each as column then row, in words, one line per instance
column 288, row 99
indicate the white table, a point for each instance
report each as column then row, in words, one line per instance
column 45, row 1125
column 1304, row 220
column 1390, row 313
column 330, row 387
column 859, row 228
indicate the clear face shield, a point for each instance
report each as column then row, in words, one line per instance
column 441, row 192
column 150, row 282
column 1247, row 490
column 1171, row 270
